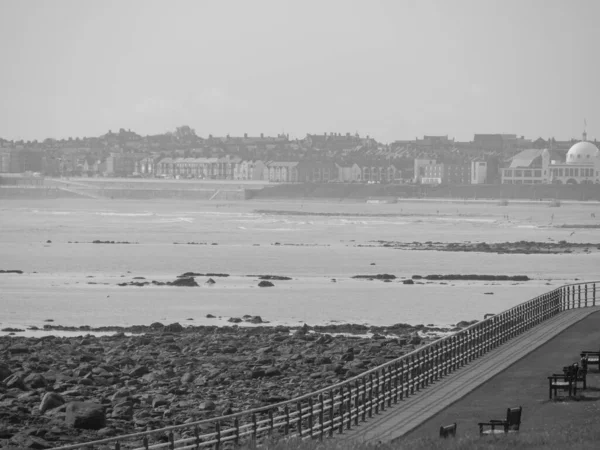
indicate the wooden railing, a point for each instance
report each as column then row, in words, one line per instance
column 341, row 406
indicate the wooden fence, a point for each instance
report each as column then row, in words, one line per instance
column 341, row 406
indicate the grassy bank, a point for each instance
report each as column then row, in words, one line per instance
column 580, row 435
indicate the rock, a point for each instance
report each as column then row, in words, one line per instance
column 18, row 349
column 15, row 381
column 85, row 415
column 207, row 406
column 186, row 282
column 234, row 320
column 272, row 372
column 187, row 377
column 210, row 282
column 409, row 281
column 159, row 401
column 174, row 328
column 265, row 283
column 210, row 316
column 257, row 373
column 51, row 400
column 35, row 380
column 123, row 411
column 139, row 371
column 255, row 319
column 32, row 442
column 4, row 372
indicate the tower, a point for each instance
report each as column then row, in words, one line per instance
column 584, row 131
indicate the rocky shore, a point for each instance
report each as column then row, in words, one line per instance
column 520, row 247
column 61, row 390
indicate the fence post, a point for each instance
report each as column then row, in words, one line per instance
column 356, row 402
column 579, row 296
column 310, row 416
column 286, row 429
column 331, row 412
column 321, row 415
column 146, row 445
column 218, row 436
column 172, row 440
column 383, row 386
column 299, row 408
column 196, row 434
column 254, row 427
column 370, row 395
column 586, row 295
column 236, row 424
column 271, row 424
column 364, row 399
column 341, row 426
column 594, row 293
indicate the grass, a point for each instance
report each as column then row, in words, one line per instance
column 546, row 424
column 582, row 436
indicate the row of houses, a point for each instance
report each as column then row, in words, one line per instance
column 234, row 168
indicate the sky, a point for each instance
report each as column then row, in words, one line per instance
column 392, row 70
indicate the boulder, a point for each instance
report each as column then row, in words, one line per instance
column 15, row 381
column 35, row 380
column 51, row 400
column 4, row 372
column 123, row 411
column 18, row 349
column 139, row 371
column 85, row 415
column 186, row 282
column 409, row 281
column 210, row 282
column 174, row 328
column 207, row 406
column 265, row 283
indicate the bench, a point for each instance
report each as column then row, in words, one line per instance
column 448, row 430
column 563, row 383
column 591, row 357
column 511, row 424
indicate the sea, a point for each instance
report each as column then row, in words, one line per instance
column 69, row 280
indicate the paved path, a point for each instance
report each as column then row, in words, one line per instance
column 399, row 419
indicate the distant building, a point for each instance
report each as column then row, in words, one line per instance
column 348, row 173
column 419, row 171
column 536, row 166
column 446, row 174
column 479, row 172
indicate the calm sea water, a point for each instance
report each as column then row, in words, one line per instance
column 250, row 240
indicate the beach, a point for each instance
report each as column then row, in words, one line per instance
column 319, row 245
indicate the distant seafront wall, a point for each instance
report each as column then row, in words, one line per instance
column 36, row 187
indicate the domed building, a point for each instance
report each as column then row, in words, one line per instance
column 581, row 166
column 533, row 166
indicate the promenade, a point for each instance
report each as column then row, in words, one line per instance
column 416, row 410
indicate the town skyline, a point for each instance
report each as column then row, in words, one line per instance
column 291, row 138
column 390, row 70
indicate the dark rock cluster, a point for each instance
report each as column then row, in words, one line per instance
column 61, row 390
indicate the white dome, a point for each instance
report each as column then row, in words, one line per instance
column 582, row 153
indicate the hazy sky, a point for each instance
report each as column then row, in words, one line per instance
column 390, row 69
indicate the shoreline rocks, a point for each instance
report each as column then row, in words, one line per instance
column 85, row 387
column 519, row 247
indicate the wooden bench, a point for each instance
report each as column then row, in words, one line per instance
column 448, row 430
column 511, row 424
column 562, row 382
column 591, row 357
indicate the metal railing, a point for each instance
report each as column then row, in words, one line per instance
column 341, row 406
